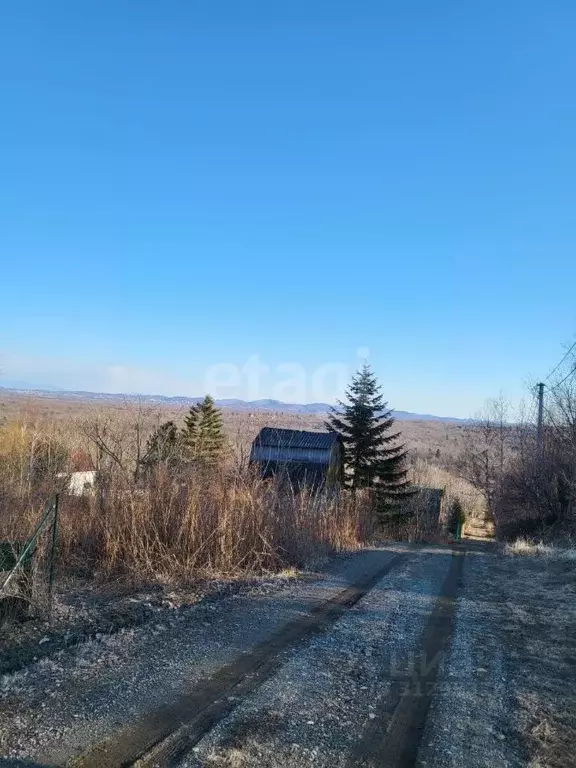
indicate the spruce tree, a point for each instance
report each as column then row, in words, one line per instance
column 203, row 436
column 162, row 446
column 373, row 456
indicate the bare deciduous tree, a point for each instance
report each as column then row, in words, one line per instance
column 118, row 438
column 526, row 488
column 489, row 444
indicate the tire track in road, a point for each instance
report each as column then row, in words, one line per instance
column 392, row 738
column 159, row 738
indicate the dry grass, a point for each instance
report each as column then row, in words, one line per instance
column 208, row 523
column 165, row 525
column 177, row 525
column 177, row 528
column 525, row 547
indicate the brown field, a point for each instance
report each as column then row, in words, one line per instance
column 440, row 442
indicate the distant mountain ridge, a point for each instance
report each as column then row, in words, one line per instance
column 233, row 403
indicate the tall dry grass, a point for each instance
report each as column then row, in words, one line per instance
column 169, row 523
column 177, row 527
column 178, row 523
column 32, row 455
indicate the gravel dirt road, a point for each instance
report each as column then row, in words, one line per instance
column 392, row 656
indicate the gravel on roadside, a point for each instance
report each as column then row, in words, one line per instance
column 62, row 704
column 83, row 612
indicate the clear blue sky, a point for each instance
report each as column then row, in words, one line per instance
column 184, row 184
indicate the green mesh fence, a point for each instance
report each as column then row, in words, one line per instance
column 27, row 568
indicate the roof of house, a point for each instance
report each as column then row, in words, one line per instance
column 295, row 438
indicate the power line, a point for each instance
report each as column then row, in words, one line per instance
column 540, row 428
column 560, row 363
column 570, row 372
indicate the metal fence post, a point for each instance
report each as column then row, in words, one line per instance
column 53, row 548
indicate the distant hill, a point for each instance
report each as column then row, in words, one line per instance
column 24, row 386
column 232, row 403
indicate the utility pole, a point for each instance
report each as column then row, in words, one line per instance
column 540, row 418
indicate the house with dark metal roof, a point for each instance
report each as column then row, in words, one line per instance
column 306, row 458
